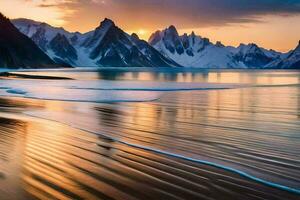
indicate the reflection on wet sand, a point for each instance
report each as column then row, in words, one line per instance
column 70, row 150
column 266, row 77
column 231, row 127
column 48, row 160
column 12, row 148
column 59, row 162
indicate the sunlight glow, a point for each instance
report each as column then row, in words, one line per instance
column 141, row 32
column 34, row 10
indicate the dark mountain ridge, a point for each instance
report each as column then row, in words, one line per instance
column 18, row 51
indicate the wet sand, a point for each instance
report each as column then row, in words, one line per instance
column 42, row 159
column 143, row 150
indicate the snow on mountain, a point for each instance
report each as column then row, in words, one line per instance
column 18, row 51
column 253, row 56
column 33, row 28
column 291, row 60
column 195, row 51
column 107, row 45
column 94, row 37
column 191, row 50
column 151, row 53
column 62, row 48
column 59, row 44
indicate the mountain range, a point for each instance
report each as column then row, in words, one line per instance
column 18, row 51
column 108, row 45
column 195, row 51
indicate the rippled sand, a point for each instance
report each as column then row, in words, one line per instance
column 71, row 150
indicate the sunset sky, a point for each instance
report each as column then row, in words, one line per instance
column 269, row 23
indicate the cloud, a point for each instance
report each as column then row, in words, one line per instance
column 182, row 13
column 47, row 5
column 99, row 1
column 207, row 12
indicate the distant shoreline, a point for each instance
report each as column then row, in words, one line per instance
column 142, row 69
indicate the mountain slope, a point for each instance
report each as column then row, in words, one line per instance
column 105, row 46
column 191, row 50
column 63, row 49
column 18, row 51
column 57, row 43
column 109, row 46
column 290, row 61
column 195, row 51
column 253, row 56
column 117, row 48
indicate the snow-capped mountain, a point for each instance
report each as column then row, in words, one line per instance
column 55, row 42
column 107, row 45
column 291, row 60
column 62, row 48
column 110, row 46
column 18, row 51
column 195, row 51
column 253, row 56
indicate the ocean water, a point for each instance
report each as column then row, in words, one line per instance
column 150, row 134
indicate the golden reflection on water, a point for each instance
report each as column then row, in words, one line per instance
column 253, row 129
column 52, row 161
column 247, row 77
column 230, row 125
column 49, row 162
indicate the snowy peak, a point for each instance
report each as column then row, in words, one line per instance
column 106, row 45
column 56, row 42
column 252, row 56
column 172, row 40
column 111, row 36
column 298, row 47
column 155, row 38
column 292, row 61
column 111, row 46
column 106, row 23
column 171, row 33
column 249, row 49
column 30, row 27
column 296, row 50
column 191, row 50
column 98, row 34
column 117, row 48
column 219, row 44
column 289, row 61
column 134, row 36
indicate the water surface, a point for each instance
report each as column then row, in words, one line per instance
column 247, row 120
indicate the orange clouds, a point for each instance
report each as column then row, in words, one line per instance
column 41, row 10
